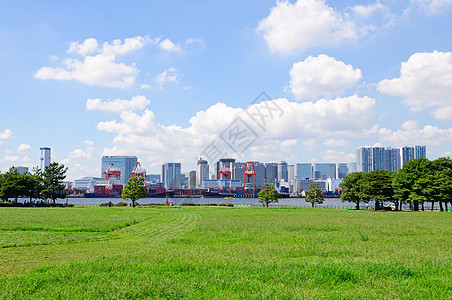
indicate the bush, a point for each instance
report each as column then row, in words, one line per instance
column 155, row 204
column 9, row 204
column 120, row 204
column 228, row 204
column 189, row 204
column 209, row 204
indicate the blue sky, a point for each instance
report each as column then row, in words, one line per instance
column 164, row 80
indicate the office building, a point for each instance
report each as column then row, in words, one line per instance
column 351, row 167
column 171, row 176
column 342, row 170
column 303, row 171
column 45, row 157
column 153, row 178
column 202, row 172
column 192, row 179
column 282, row 171
column 86, row 184
column 21, row 170
column 124, row 164
column 324, row 170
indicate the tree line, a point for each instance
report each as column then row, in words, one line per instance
column 39, row 184
column 419, row 181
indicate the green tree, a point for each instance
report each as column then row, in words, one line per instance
column 314, row 195
column 33, row 184
column 352, row 189
column 440, row 187
column 268, row 194
column 378, row 186
column 13, row 185
column 52, row 179
column 134, row 189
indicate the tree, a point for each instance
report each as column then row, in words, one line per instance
column 378, row 185
column 352, row 189
column 314, row 194
column 440, row 187
column 52, row 178
column 268, row 194
column 13, row 185
column 33, row 184
column 134, row 189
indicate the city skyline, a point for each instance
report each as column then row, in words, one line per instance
column 171, row 79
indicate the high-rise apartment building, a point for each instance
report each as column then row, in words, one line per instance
column 124, row 164
column 21, row 170
column 192, row 180
column 342, row 170
column 171, row 175
column 391, row 159
column 45, row 157
column 202, row 172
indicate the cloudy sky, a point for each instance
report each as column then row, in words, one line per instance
column 302, row 81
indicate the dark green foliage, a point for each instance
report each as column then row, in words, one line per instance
column 52, row 179
column 228, row 204
column 314, row 195
column 352, row 189
column 268, row 194
column 209, row 204
column 189, row 204
column 377, row 185
column 134, row 189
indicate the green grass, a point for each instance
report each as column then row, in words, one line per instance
column 224, row 253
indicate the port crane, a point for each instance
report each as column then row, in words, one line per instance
column 249, row 173
column 111, row 171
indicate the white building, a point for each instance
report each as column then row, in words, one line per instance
column 45, row 157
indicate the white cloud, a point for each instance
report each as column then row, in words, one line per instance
column 23, row 147
column 6, row 134
column 15, row 160
column 322, row 76
column 118, row 105
column 292, row 28
column 169, row 46
column 410, row 125
column 338, row 156
column 88, row 143
column 425, row 81
column 199, row 42
column 310, row 143
column 367, row 11
column 429, row 135
column 433, row 6
column 273, row 150
column 142, row 135
column 100, row 68
column 335, row 143
column 169, row 75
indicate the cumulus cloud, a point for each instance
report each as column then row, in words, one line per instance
column 412, row 135
column 118, row 105
column 168, row 75
column 322, row 76
column 335, row 143
column 425, row 81
column 169, row 46
column 295, row 27
column 143, row 135
column 338, row 156
column 273, row 150
column 367, row 11
column 6, row 134
column 433, row 6
column 98, row 65
column 23, row 147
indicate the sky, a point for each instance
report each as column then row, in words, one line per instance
column 172, row 81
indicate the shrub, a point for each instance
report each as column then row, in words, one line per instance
column 155, row 204
column 209, row 204
column 120, row 204
column 8, row 204
column 189, row 204
column 228, row 204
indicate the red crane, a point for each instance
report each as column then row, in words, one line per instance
column 111, row 171
column 224, row 174
column 249, row 172
column 138, row 170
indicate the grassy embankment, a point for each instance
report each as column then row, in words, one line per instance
column 211, row 252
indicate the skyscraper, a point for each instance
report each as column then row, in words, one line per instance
column 202, row 172
column 420, row 152
column 45, row 157
column 192, row 180
column 390, row 159
column 171, row 175
column 303, row 171
column 282, row 171
column 378, row 158
column 342, row 170
column 324, row 170
column 363, row 159
column 125, row 164
column 407, row 154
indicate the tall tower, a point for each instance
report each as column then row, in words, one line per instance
column 45, row 157
column 202, row 172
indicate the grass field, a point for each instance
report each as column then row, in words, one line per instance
column 224, row 253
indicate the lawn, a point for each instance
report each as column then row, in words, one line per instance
column 223, row 253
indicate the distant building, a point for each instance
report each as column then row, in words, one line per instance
column 184, row 181
column 153, row 178
column 351, row 167
column 86, row 184
column 282, row 171
column 192, row 179
column 303, row 171
column 219, row 164
column 171, row 175
column 271, row 172
column 45, row 157
column 324, row 170
column 123, row 163
column 21, row 170
column 202, row 172
column 390, row 159
column 342, row 170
